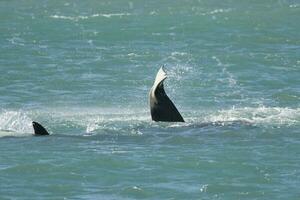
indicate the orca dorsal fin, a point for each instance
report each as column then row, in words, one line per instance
column 161, row 106
column 39, row 129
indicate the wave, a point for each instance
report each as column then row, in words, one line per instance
column 132, row 121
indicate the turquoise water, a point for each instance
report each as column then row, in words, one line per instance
column 83, row 69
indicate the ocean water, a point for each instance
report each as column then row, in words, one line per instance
column 83, row 69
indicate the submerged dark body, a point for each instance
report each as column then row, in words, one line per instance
column 39, row 129
column 162, row 108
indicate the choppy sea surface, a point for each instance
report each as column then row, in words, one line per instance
column 83, row 69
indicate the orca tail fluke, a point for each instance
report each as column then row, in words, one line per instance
column 161, row 106
column 39, row 129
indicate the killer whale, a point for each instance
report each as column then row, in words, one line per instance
column 161, row 107
column 39, row 130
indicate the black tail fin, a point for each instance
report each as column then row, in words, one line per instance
column 161, row 106
column 39, row 129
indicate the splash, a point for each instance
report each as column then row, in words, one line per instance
column 135, row 121
column 15, row 123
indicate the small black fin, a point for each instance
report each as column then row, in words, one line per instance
column 39, row 129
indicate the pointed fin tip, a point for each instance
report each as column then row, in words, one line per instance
column 160, row 76
column 162, row 70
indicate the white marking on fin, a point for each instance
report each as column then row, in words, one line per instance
column 160, row 76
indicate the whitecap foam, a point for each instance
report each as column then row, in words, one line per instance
column 17, row 41
column 294, row 5
column 133, row 55
column 216, row 11
column 176, row 53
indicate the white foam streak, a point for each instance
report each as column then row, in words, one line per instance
column 274, row 116
column 120, row 120
column 84, row 17
column 109, row 122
